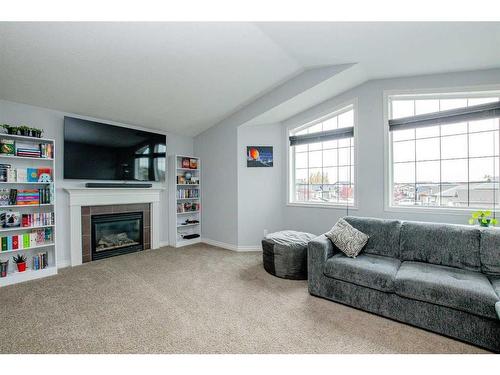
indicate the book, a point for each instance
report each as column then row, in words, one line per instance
column 44, row 175
column 7, row 147
column 32, row 175
column 26, row 240
column 32, row 238
column 4, row 197
column 4, row 243
column 12, row 196
column 4, row 172
column 21, row 175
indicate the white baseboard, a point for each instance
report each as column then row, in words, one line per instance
column 164, row 243
column 229, row 246
column 63, row 263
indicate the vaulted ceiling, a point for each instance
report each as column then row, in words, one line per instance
column 186, row 77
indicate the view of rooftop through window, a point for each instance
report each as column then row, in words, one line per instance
column 453, row 165
column 323, row 172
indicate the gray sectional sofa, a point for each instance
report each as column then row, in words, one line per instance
column 443, row 278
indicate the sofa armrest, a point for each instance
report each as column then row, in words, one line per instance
column 318, row 251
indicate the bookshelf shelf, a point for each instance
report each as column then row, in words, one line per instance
column 187, row 225
column 187, row 212
column 179, row 197
column 13, row 229
column 26, row 205
column 28, row 191
column 25, row 157
column 15, row 277
column 24, row 183
column 25, row 138
column 188, row 169
column 28, row 248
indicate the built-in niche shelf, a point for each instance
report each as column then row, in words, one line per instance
column 185, row 199
column 48, row 245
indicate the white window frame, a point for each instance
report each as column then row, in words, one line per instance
column 439, row 93
column 332, row 112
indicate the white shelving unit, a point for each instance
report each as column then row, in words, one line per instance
column 13, row 276
column 185, row 200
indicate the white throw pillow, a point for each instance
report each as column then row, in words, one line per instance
column 348, row 239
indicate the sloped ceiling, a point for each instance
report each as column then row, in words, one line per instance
column 187, row 77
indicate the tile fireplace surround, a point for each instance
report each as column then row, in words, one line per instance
column 84, row 201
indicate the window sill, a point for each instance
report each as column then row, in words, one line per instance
column 322, row 205
column 436, row 211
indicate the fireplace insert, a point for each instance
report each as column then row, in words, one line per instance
column 116, row 234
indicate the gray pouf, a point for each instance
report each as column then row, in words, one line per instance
column 285, row 254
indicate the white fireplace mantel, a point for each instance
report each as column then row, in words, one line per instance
column 79, row 197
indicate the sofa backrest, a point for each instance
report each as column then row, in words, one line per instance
column 442, row 244
column 384, row 234
column 490, row 251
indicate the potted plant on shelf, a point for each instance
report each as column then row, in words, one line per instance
column 36, row 132
column 25, row 130
column 483, row 218
column 10, row 129
column 20, row 261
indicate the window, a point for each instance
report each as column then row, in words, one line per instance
column 443, row 164
column 322, row 160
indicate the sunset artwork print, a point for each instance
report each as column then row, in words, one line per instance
column 259, row 156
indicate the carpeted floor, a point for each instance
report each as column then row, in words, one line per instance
column 199, row 299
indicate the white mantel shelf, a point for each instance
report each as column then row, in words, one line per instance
column 79, row 197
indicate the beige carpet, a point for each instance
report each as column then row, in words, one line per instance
column 199, row 299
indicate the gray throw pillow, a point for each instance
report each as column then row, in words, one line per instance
column 348, row 239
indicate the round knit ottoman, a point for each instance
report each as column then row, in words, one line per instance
column 285, row 254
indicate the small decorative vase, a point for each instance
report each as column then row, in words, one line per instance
column 3, row 268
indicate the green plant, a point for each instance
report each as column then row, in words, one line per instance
column 483, row 218
column 36, row 131
column 19, row 258
column 10, row 129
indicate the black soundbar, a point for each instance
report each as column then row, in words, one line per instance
column 116, row 185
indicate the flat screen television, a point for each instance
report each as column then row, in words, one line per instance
column 97, row 151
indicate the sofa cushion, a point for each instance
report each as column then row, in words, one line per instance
column 372, row 271
column 348, row 239
column 442, row 244
column 384, row 235
column 490, row 251
column 446, row 286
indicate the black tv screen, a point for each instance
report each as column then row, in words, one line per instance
column 97, row 151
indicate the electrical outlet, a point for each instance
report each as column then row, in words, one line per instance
column 265, row 232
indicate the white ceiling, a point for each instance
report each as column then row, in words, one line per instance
column 186, row 77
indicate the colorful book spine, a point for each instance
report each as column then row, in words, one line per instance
column 26, row 240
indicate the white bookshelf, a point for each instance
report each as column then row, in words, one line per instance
column 13, row 276
column 182, row 195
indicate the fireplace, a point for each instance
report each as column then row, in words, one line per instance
column 116, row 234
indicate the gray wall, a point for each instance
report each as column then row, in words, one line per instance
column 217, row 151
column 370, row 133
column 52, row 124
column 259, row 189
column 231, row 212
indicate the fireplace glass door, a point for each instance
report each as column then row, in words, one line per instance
column 116, row 234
